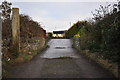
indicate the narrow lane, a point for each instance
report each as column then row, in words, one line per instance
column 60, row 60
column 60, row 48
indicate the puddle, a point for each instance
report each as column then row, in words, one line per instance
column 60, row 58
column 60, row 47
column 64, row 57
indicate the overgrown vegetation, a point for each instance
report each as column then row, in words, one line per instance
column 102, row 34
column 30, row 32
column 32, row 38
column 99, row 39
column 74, row 29
column 48, row 36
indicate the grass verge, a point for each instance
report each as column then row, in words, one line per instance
column 112, row 67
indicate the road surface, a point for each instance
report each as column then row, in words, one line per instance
column 60, row 60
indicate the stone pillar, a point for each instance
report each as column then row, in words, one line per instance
column 15, row 31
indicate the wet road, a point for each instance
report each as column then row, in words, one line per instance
column 60, row 60
column 59, row 48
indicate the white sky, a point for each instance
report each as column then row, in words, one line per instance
column 57, row 15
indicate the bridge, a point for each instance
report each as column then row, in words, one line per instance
column 58, row 34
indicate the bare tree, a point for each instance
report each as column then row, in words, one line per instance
column 119, row 5
column 5, row 9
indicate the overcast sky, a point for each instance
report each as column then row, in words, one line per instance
column 57, row 15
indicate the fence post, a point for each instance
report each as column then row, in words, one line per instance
column 0, row 47
column 15, row 31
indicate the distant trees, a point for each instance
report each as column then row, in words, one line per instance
column 50, row 35
column 74, row 29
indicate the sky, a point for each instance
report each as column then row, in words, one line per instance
column 54, row 15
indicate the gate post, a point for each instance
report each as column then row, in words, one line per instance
column 15, row 31
column 0, row 47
